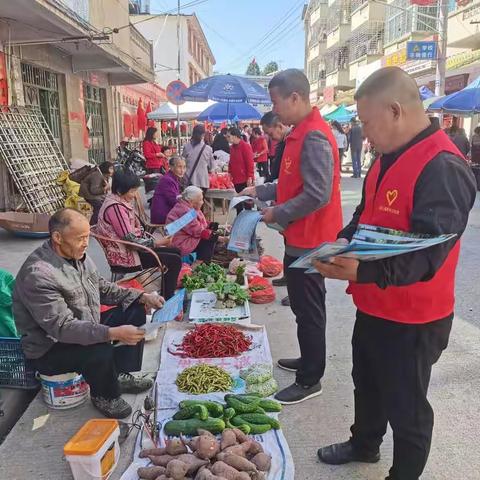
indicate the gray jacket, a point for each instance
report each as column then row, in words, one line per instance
column 55, row 302
column 316, row 166
column 190, row 153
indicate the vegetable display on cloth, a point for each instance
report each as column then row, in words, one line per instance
column 204, row 378
column 214, row 341
column 259, row 379
column 235, row 456
column 202, row 276
column 229, row 294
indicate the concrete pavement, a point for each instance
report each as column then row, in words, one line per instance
column 322, row 420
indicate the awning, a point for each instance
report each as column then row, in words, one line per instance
column 188, row 111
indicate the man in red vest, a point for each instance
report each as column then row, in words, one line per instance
column 420, row 183
column 308, row 208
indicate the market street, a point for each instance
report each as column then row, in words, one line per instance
column 314, row 423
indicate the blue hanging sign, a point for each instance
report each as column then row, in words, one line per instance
column 421, row 50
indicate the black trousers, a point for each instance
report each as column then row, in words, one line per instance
column 244, row 205
column 172, row 259
column 262, row 168
column 205, row 250
column 96, row 205
column 392, row 363
column 307, row 300
column 99, row 363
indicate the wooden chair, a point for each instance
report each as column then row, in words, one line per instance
column 118, row 272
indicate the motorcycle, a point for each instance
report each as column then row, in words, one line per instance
column 130, row 160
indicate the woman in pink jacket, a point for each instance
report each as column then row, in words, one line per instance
column 198, row 236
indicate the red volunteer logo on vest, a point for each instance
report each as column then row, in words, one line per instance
column 287, row 163
column 391, row 197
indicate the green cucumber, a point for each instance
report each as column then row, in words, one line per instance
column 259, row 419
column 241, row 407
column 190, row 426
column 270, row 405
column 253, row 428
column 215, row 409
column 197, row 411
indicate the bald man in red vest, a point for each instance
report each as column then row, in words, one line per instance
column 420, row 183
column 308, row 208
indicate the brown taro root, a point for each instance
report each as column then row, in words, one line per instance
column 262, row 461
column 241, row 437
column 192, row 444
column 161, row 460
column 150, row 473
column 176, row 470
column 242, row 476
column 192, row 461
column 175, row 446
column 229, row 438
column 241, row 449
column 255, row 448
column 152, row 451
column 205, row 474
column 201, row 431
column 207, row 447
column 223, row 470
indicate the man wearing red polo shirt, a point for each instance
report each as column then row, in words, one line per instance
column 308, row 208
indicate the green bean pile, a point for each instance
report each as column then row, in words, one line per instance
column 203, row 378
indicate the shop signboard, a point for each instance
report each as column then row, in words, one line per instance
column 396, row 59
column 414, row 68
column 462, row 59
column 421, row 50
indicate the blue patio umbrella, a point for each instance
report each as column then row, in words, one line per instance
column 465, row 102
column 227, row 89
column 220, row 112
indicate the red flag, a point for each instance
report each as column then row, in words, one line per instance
column 141, row 118
column 164, row 126
column 150, row 123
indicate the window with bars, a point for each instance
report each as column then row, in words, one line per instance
column 94, row 101
column 367, row 40
column 336, row 59
column 40, row 88
column 339, row 13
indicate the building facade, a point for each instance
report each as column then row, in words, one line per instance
column 67, row 58
column 196, row 57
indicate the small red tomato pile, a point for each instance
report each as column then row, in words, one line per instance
column 214, row 341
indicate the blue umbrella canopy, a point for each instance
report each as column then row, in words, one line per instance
column 220, row 112
column 227, row 89
column 464, row 102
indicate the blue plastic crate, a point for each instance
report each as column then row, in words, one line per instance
column 15, row 370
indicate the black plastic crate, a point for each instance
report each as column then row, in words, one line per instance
column 15, row 370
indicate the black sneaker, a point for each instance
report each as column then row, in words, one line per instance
column 130, row 384
column 116, row 408
column 280, row 282
column 297, row 393
column 285, row 301
column 340, row 453
column 290, row 364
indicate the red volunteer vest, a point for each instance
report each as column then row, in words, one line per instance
column 391, row 206
column 323, row 224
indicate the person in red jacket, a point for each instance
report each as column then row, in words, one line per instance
column 152, row 151
column 241, row 165
column 260, row 151
column 420, row 183
column 308, row 208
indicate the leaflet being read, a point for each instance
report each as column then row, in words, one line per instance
column 183, row 221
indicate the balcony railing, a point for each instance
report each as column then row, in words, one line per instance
column 356, row 4
column 367, row 40
column 336, row 58
column 338, row 14
column 318, row 33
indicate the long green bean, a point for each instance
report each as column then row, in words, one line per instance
column 203, row 378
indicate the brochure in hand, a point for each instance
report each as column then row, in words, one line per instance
column 170, row 310
column 371, row 243
column 243, row 237
column 183, row 221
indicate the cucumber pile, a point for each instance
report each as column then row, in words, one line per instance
column 249, row 413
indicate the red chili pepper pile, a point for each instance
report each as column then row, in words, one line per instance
column 214, row 341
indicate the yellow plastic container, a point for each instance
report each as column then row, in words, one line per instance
column 93, row 452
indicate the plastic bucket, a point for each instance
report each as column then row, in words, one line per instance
column 64, row 391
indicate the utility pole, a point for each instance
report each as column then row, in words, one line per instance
column 442, row 27
column 178, row 75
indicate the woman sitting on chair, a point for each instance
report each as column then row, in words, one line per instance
column 198, row 236
column 117, row 220
column 167, row 191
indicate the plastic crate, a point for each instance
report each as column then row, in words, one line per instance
column 15, row 370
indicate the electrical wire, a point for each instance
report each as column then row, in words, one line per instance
column 226, row 40
column 290, row 12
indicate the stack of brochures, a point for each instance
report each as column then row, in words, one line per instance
column 243, row 237
column 371, row 243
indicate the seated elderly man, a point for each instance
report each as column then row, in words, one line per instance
column 56, row 304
